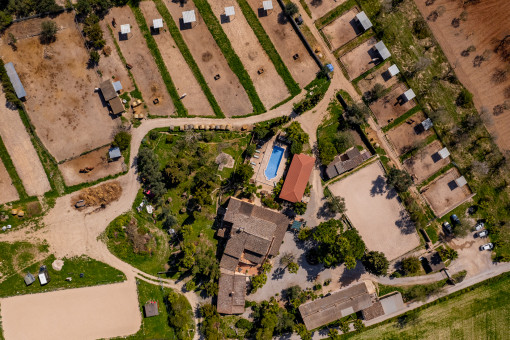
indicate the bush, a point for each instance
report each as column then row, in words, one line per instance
column 48, row 32
column 94, row 57
column 399, row 179
column 244, row 324
column 122, row 140
column 375, row 263
column 411, row 265
column 465, row 99
column 291, row 9
column 420, row 29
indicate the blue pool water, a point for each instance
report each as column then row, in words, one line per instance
column 274, row 162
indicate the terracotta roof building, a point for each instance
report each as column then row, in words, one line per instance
column 253, row 234
column 346, row 162
column 231, row 294
column 297, row 178
column 341, row 303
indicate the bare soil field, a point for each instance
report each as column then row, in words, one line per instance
column 111, row 66
column 342, row 30
column 391, row 106
column 444, row 195
column 426, row 162
column 22, row 152
column 379, row 76
column 69, row 117
column 287, row 43
column 8, row 190
column 408, row 134
column 96, row 159
column 359, row 60
column 195, row 101
column 376, row 212
column 81, row 313
column 479, row 25
column 320, row 7
column 145, row 71
column 227, row 90
column 269, row 84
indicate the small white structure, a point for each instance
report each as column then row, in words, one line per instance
column 363, row 20
column 188, row 17
column 42, row 279
column 427, row 124
column 157, row 24
column 149, row 209
column 117, row 86
column 461, row 181
column 408, row 95
column 267, row 5
column 393, row 70
column 443, row 153
column 230, row 11
column 125, row 29
column 383, row 51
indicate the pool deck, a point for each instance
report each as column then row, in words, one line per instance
column 263, row 160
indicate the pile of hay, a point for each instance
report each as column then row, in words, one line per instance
column 57, row 265
column 102, row 194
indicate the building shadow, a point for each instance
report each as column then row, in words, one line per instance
column 183, row 26
column 436, row 157
column 452, row 185
column 261, row 12
column 356, row 26
column 224, row 19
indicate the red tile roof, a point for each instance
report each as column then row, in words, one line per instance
column 297, row 178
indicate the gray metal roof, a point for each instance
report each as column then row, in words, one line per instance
column 392, row 303
column 117, row 86
column 363, row 20
column 383, row 51
column 189, row 16
column 114, row 153
column 409, row 94
column 267, row 5
column 15, row 81
column 393, row 70
column 427, row 124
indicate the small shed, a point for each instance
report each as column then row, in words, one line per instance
column 427, row 124
column 151, row 309
column 267, row 5
column 114, row 153
column 189, row 17
column 383, row 51
column 330, row 67
column 15, row 81
column 230, row 11
column 29, row 279
column 461, row 181
column 363, row 20
column 443, row 153
column 44, row 277
column 116, row 105
column 157, row 24
column 125, row 29
column 117, row 86
column 393, row 70
column 408, row 95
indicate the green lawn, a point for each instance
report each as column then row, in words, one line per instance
column 96, row 273
column 155, row 327
column 482, row 313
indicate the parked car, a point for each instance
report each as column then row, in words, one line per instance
column 483, row 233
column 455, row 219
column 487, row 246
column 479, row 226
column 447, row 228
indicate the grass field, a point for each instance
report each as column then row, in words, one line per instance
column 482, row 313
column 155, row 327
column 95, row 272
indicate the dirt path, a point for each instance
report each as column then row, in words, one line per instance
column 22, row 152
column 7, row 189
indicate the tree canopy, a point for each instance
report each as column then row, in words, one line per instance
column 399, row 179
column 376, row 263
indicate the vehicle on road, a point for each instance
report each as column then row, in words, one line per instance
column 447, row 228
column 479, row 226
column 455, row 219
column 487, row 246
column 483, row 233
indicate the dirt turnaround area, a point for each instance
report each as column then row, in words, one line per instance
column 303, row 69
column 392, row 105
column 227, row 89
column 22, row 152
column 376, row 212
column 96, row 159
column 407, row 135
column 268, row 83
column 426, row 162
column 81, row 313
column 69, row 117
column 470, row 35
column 184, row 80
column 8, row 190
column 343, row 29
column 444, row 195
column 359, row 60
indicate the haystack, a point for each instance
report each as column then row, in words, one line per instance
column 101, row 195
column 57, row 265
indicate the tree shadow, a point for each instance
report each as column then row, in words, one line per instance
column 378, row 186
column 351, row 275
column 282, row 18
column 278, row 273
column 324, row 212
column 405, row 224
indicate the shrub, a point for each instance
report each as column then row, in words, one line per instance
column 375, row 263
column 244, row 324
column 48, row 32
column 291, row 9
column 399, row 179
column 411, row 265
column 420, row 29
column 122, row 140
column 465, row 99
column 300, row 208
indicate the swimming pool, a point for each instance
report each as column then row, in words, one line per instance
column 274, row 162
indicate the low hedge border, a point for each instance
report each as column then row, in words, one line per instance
column 233, row 60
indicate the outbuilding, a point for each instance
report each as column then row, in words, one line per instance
column 44, row 277
column 267, row 6
column 114, row 153
column 443, row 153
column 362, row 18
column 297, row 178
column 383, row 51
column 189, row 17
column 125, row 29
column 29, row 279
column 108, row 90
column 116, row 105
column 230, row 11
column 408, row 95
column 15, row 81
column 461, row 181
column 150, row 309
column 393, row 70
column 157, row 24
column 427, row 124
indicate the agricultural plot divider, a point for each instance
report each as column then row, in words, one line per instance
column 11, row 170
column 233, row 60
column 183, row 48
column 270, row 49
column 153, row 47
